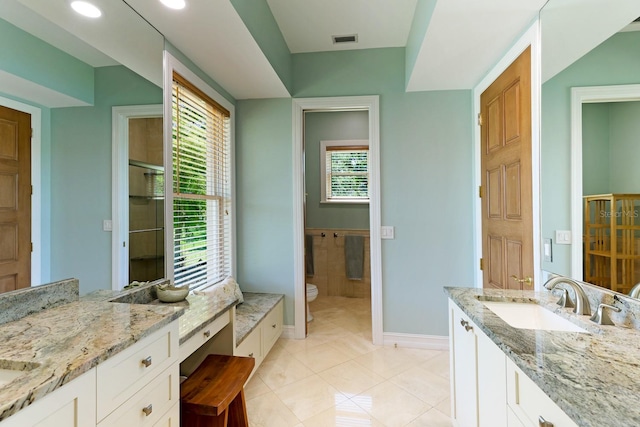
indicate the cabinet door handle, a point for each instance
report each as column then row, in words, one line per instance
column 466, row 325
column 251, row 354
column 147, row 410
column 544, row 423
column 147, row 362
column 274, row 325
column 207, row 334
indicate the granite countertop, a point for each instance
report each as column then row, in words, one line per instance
column 254, row 308
column 594, row 378
column 61, row 343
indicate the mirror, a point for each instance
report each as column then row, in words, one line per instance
column 69, row 72
column 587, row 139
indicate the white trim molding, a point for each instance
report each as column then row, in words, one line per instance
column 429, row 342
column 120, row 187
column 371, row 104
column 531, row 37
column 288, row 332
column 579, row 96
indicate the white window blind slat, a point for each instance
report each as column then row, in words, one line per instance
column 201, row 186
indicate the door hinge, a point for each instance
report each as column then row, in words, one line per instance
column 480, row 193
column 479, row 119
column 32, row 190
column 31, row 133
column 481, row 264
column 31, row 246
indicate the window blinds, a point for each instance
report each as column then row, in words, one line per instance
column 347, row 173
column 201, row 187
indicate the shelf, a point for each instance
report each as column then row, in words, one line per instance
column 146, row 165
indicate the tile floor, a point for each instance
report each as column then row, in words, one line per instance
column 336, row 377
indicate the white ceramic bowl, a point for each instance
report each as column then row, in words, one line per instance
column 172, row 293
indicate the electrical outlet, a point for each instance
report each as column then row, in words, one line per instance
column 107, row 225
column 387, row 232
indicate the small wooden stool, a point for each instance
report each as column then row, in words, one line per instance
column 213, row 396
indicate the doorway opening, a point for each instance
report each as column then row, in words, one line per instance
column 613, row 95
column 337, row 236
column 368, row 104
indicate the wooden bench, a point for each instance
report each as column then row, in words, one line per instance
column 213, row 395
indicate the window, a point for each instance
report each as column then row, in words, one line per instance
column 345, row 171
column 201, row 187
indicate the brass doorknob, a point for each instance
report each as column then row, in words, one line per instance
column 527, row 280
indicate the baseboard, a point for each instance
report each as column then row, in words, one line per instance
column 430, row 342
column 288, row 331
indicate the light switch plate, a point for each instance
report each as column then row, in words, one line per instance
column 387, row 232
column 107, row 225
column 547, row 250
column 563, row 237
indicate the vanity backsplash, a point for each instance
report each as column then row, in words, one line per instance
column 17, row 304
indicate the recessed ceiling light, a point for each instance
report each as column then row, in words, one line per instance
column 86, row 9
column 174, row 4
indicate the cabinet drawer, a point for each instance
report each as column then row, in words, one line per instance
column 171, row 418
column 149, row 405
column 272, row 325
column 251, row 346
column 529, row 402
column 124, row 374
column 205, row 334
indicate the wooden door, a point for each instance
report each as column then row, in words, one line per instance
column 507, row 217
column 15, row 199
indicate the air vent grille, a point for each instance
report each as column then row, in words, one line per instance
column 350, row 38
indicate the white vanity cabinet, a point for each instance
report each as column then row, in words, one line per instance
column 72, row 405
column 488, row 389
column 531, row 405
column 262, row 338
column 478, row 375
column 138, row 386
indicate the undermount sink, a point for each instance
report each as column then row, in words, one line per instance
column 11, row 369
column 528, row 315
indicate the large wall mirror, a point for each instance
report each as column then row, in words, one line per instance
column 74, row 75
column 590, row 121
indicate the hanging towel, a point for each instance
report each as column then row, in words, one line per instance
column 308, row 255
column 354, row 256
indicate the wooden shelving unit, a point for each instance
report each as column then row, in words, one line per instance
column 612, row 240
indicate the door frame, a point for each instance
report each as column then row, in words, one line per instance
column 371, row 104
column 531, row 37
column 120, row 187
column 36, row 182
column 587, row 95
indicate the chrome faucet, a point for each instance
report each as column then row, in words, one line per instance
column 635, row 291
column 582, row 302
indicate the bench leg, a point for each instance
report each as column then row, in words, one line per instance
column 238, row 411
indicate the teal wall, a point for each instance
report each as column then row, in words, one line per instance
column 426, row 185
column 595, row 149
column 264, row 191
column 615, row 61
column 32, row 59
column 625, row 147
column 330, row 126
column 81, row 177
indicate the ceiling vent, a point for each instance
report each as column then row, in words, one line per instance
column 351, row 38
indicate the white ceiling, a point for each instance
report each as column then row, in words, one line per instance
column 463, row 41
column 307, row 25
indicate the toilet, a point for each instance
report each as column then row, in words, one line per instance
column 312, row 294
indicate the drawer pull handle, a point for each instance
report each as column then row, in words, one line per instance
column 274, row 325
column 466, row 325
column 544, row 423
column 207, row 334
column 146, row 362
column 147, row 410
column 251, row 354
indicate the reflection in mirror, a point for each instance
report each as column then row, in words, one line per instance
column 587, row 44
column 69, row 74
